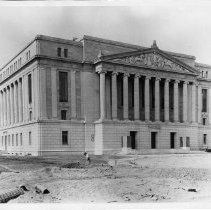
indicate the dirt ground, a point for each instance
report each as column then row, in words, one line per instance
column 146, row 178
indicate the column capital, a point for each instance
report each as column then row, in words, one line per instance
column 195, row 83
column 186, row 82
column 115, row 73
column 157, row 78
column 167, row 79
column 147, row 77
column 101, row 72
column 137, row 75
column 126, row 74
column 176, row 81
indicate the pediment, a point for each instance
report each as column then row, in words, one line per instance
column 151, row 58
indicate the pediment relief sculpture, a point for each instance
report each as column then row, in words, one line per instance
column 152, row 60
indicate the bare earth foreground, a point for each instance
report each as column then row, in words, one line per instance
column 152, row 178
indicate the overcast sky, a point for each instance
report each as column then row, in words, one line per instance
column 182, row 27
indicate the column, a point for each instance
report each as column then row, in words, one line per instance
column 102, row 95
column 12, row 104
column 114, row 95
column 147, row 108
column 166, row 100
column 23, row 97
column 157, row 99
column 42, row 93
column 5, row 107
column 199, row 103
column 136, row 97
column 209, row 104
column 15, row 102
column 73, row 94
column 54, row 92
column 1, row 108
column 176, row 99
column 20, row 103
column 193, row 102
column 185, row 95
column 36, row 95
column 4, row 111
column 125, row 99
column 8, row 106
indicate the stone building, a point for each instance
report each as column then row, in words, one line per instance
column 68, row 96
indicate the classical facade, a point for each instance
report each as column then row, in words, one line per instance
column 68, row 96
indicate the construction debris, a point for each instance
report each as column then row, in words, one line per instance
column 10, row 194
column 41, row 189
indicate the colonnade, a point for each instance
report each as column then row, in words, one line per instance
column 14, row 103
column 147, row 98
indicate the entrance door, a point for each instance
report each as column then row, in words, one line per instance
column 153, row 140
column 133, row 139
column 5, row 138
column 172, row 140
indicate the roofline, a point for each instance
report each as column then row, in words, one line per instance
column 108, row 41
column 202, row 65
column 46, row 38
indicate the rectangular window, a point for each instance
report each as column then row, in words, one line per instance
column 205, row 138
column 16, row 139
column 30, row 138
column 181, row 142
column 59, row 50
column 30, row 88
column 12, row 139
column 63, row 87
column 21, row 139
column 204, row 100
column 8, row 140
column 30, row 115
column 64, row 137
column 187, row 141
column 63, row 114
column 204, row 121
column 65, row 53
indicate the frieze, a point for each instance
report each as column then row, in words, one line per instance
column 152, row 60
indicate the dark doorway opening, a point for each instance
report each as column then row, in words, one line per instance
column 153, row 140
column 133, row 139
column 172, row 140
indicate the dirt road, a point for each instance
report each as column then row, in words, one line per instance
column 158, row 178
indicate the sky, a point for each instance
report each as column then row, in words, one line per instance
column 178, row 26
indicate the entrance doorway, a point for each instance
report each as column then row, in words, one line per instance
column 153, row 140
column 172, row 140
column 133, row 139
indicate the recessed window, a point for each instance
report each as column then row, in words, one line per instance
column 30, row 138
column 8, row 140
column 63, row 87
column 204, row 100
column 65, row 53
column 181, row 142
column 16, row 139
column 204, row 121
column 30, row 88
column 59, row 52
column 30, row 115
column 21, row 139
column 205, row 138
column 12, row 139
column 63, row 114
column 64, row 137
column 187, row 141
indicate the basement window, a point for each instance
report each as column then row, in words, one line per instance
column 64, row 137
column 205, row 138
